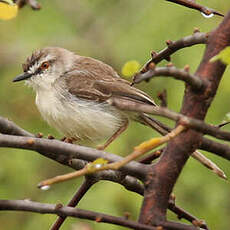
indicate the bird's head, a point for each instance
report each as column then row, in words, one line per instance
column 45, row 66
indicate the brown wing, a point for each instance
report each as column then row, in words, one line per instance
column 94, row 80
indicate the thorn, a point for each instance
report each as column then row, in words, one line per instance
column 152, row 66
column 223, row 124
column 169, row 42
column 153, row 54
column 172, row 197
column 186, row 68
column 196, row 30
column 198, row 223
column 170, row 64
column 207, row 11
column 39, row 135
column 30, row 142
column 132, row 83
column 220, row 173
column 68, row 140
column 158, row 153
column 50, row 137
column 144, row 70
column 127, row 215
column 98, row 219
column 168, row 58
column 58, row 206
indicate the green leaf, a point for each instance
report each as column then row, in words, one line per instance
column 223, row 56
column 130, row 68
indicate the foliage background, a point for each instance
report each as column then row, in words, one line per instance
column 114, row 31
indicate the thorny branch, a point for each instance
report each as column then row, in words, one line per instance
column 197, row 38
column 189, row 122
column 86, row 185
column 32, row 3
column 60, row 210
column 172, row 47
column 193, row 5
column 130, row 183
column 163, row 175
column 171, row 71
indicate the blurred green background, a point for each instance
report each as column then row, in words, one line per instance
column 114, row 31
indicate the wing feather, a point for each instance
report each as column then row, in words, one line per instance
column 96, row 81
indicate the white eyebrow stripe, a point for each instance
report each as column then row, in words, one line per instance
column 33, row 68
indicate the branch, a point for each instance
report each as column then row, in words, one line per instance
column 163, row 175
column 9, row 127
column 189, row 122
column 58, row 209
column 222, row 150
column 84, row 188
column 179, row 74
column 130, row 183
column 96, row 167
column 32, row 3
column 181, row 213
column 162, row 96
column 70, row 151
column 173, row 46
column 193, row 5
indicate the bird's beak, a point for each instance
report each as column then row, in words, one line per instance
column 23, row 76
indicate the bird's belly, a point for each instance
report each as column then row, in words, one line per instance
column 81, row 119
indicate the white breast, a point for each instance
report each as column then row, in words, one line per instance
column 77, row 118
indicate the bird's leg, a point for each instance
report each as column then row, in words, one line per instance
column 114, row 136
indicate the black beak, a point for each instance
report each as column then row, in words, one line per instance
column 23, row 76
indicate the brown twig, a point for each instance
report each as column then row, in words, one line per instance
column 223, row 124
column 163, row 98
column 173, row 46
column 60, row 210
column 181, row 213
column 70, row 151
column 32, row 3
column 179, row 74
column 192, row 123
column 193, row 5
column 152, row 156
column 222, row 150
column 31, row 206
column 84, row 188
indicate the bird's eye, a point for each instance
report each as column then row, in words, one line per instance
column 45, row 65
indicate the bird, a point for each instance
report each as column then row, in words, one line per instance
column 72, row 93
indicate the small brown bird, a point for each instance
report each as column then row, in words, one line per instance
column 72, row 93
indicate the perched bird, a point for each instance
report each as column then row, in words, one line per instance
column 72, row 93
